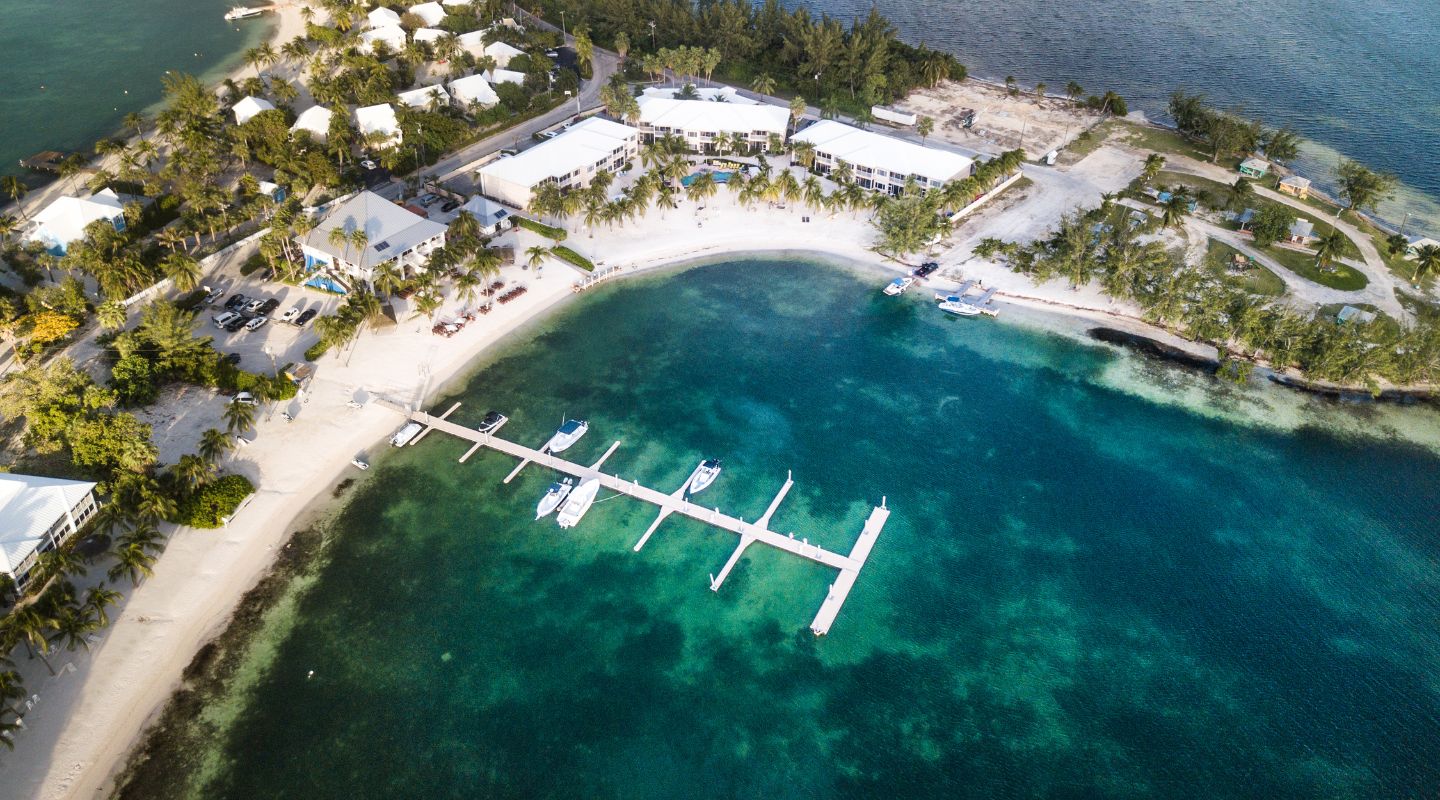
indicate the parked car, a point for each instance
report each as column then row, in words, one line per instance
column 450, row 205
column 507, row 152
column 289, row 316
column 214, row 297
column 235, row 301
column 269, row 306
column 304, row 318
column 368, row 164
column 226, row 318
column 235, row 324
column 253, row 307
column 246, row 398
column 256, row 324
column 427, row 199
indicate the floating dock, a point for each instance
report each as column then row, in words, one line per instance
column 677, row 503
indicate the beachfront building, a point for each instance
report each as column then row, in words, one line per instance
column 505, row 76
column 1254, row 167
column 699, row 122
column 382, row 17
column 249, row 107
column 64, row 221
column 391, row 36
column 392, row 235
column 881, row 163
column 425, row 96
column 455, row 3
column 491, row 216
column 1417, row 242
column 1295, row 186
column 502, row 53
column 723, row 94
column 38, row 515
column 428, row 35
column 473, row 90
column 379, row 125
column 1302, row 232
column 315, row 121
column 569, row 160
column 432, row 13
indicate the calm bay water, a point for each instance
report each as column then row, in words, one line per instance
column 1359, row 79
column 73, row 68
column 1103, row 577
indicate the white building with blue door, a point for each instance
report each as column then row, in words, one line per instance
column 64, row 221
column 392, row 233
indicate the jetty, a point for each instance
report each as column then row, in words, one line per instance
column 595, row 279
column 678, row 502
column 984, row 302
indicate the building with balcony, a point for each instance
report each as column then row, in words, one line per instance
column 569, row 160
column 699, row 122
column 881, row 163
column 392, row 235
column 38, row 515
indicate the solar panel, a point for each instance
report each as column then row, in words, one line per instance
column 380, row 248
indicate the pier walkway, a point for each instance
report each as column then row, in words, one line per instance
column 677, row 503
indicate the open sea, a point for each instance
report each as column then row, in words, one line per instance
column 1104, row 577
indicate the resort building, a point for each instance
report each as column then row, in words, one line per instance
column 314, row 121
column 505, row 76
column 248, row 107
column 1295, row 186
column 1254, row 167
column 455, row 3
column 429, row 35
column 569, row 160
column 391, row 36
column 425, row 96
column 492, row 217
column 1417, row 242
column 382, row 17
column 502, row 53
column 38, row 515
column 698, row 122
column 724, row 94
column 881, row 163
column 432, row 13
column 473, row 90
column 64, row 221
column 380, row 122
column 392, row 234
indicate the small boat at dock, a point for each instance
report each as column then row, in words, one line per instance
column 554, row 496
column 705, row 475
column 578, row 503
column 243, row 12
column 899, row 285
column 568, row 434
column 958, row 307
column 360, row 463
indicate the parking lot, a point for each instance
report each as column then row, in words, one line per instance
column 283, row 341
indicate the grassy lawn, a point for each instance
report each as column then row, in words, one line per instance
column 1159, row 140
column 1398, row 265
column 1256, row 280
column 1208, row 192
column 1338, row 276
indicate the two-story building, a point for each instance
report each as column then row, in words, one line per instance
column 38, row 515
column 64, row 221
column 391, row 234
column 699, row 122
column 570, row 160
column 881, row 163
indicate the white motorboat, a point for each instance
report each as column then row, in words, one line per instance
column 360, row 463
column 704, row 476
column 241, row 12
column 959, row 308
column 554, row 496
column 578, row 503
column 899, row 285
column 569, row 434
column 403, row 436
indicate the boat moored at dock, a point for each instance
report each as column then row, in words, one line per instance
column 568, row 434
column 705, row 475
column 243, row 12
column 959, row 308
column 554, row 496
column 578, row 503
column 899, row 286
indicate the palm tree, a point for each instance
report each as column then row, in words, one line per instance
column 1074, row 91
column 535, row 255
column 112, row 315
column 154, row 505
column 239, row 416
column 10, row 689
column 134, row 559
column 26, row 624
column 1154, row 163
column 797, row 110
column 97, row 599
column 183, row 271
column 17, row 190
column 1427, row 261
column 1174, row 209
column 193, row 471
column 1240, row 193
column 1040, row 89
column 71, row 625
column 8, row 226
column 925, row 126
column 339, row 237
column 214, row 444
column 702, row 188
column 763, row 84
column 803, row 153
column 1330, row 246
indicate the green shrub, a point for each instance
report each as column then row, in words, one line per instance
column 212, row 503
column 558, row 234
column 253, row 264
column 316, row 350
column 564, row 253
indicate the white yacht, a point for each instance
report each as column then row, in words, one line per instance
column 704, row 476
column 569, row 434
column 959, row 308
column 899, row 285
column 554, row 496
column 241, row 12
column 578, row 503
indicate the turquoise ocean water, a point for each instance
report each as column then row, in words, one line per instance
column 72, row 69
column 1103, row 577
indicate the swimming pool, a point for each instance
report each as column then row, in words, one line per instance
column 720, row 177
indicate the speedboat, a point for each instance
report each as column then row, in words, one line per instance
column 899, row 285
column 578, row 503
column 569, row 434
column 360, row 463
column 241, row 12
column 959, row 308
column 704, row 476
column 492, row 422
column 554, row 496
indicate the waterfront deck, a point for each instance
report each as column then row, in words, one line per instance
column 678, row 503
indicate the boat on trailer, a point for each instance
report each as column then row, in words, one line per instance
column 579, row 502
column 554, row 496
column 705, row 475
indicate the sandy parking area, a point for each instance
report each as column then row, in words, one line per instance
column 1002, row 122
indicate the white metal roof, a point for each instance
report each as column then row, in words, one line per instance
column 712, row 117
column 381, row 17
column 473, row 38
column 392, row 35
column 502, row 52
column 420, row 98
column 584, row 144
column 877, row 151
column 29, row 507
column 730, row 94
column 432, row 13
column 377, row 119
column 389, row 229
column 429, row 34
column 505, row 76
column 485, row 211
column 473, row 88
column 315, row 119
column 65, row 219
column 455, row 2
column 248, row 107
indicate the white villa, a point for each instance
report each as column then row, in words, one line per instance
column 64, row 221
column 424, row 96
column 569, row 160
column 455, row 2
column 381, row 17
column 699, row 121
column 492, row 217
column 505, row 76
column 880, row 162
column 502, row 53
column 392, row 234
column 430, row 35
column 392, row 36
column 723, row 94
column 432, row 13
column 379, row 120
column 315, row 121
column 37, row 515
column 248, row 107
column 473, row 89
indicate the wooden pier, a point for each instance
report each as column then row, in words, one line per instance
column 677, row 503
column 595, row 279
